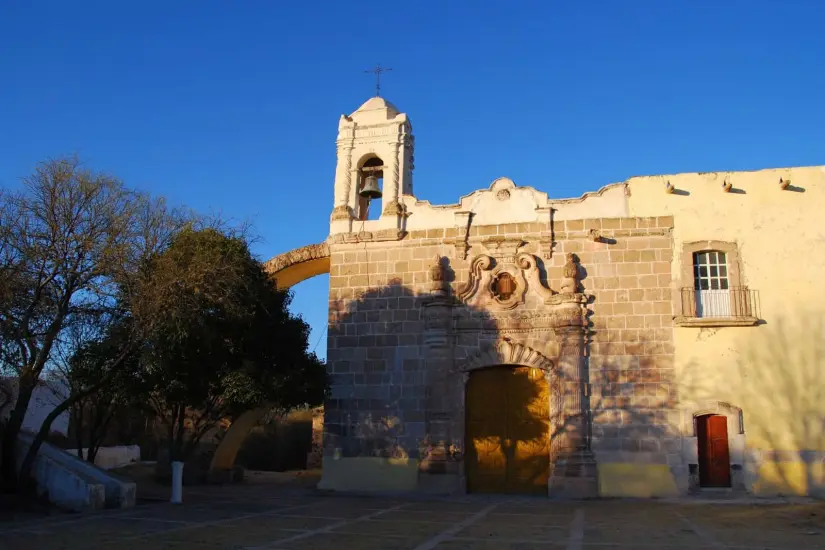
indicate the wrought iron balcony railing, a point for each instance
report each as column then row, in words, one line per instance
column 733, row 303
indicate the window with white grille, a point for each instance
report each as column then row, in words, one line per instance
column 710, row 281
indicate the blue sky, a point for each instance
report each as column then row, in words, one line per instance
column 232, row 107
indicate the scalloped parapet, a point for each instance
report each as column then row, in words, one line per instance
column 504, row 202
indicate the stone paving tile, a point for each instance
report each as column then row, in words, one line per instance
column 536, row 517
column 761, row 526
column 446, row 506
column 290, row 522
column 424, row 515
column 154, row 545
column 475, row 544
column 335, row 511
column 226, row 536
column 116, row 527
column 41, row 524
column 768, row 539
column 194, row 514
column 522, row 525
column 45, row 541
column 491, row 529
column 334, row 541
column 248, row 531
column 647, row 534
column 382, row 527
column 250, row 507
column 567, row 513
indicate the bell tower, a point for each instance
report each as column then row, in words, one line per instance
column 374, row 170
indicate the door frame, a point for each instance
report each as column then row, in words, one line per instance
column 736, row 444
column 515, row 354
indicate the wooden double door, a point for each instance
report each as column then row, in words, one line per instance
column 507, row 412
column 714, row 454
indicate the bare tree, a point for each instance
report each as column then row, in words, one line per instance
column 72, row 243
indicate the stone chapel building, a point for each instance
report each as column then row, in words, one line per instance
column 658, row 336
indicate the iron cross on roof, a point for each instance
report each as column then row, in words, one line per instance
column 377, row 70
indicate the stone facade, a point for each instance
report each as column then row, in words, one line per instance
column 400, row 343
column 602, row 294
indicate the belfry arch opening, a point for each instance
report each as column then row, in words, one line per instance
column 372, row 167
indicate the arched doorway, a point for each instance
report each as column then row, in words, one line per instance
column 507, row 430
column 714, row 454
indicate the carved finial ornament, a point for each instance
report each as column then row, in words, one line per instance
column 570, row 280
column 438, row 276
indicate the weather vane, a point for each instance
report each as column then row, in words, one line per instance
column 377, row 72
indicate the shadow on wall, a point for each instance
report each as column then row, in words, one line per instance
column 399, row 361
column 778, row 381
column 633, row 421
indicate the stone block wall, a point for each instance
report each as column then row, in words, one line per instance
column 388, row 397
column 391, row 397
column 633, row 403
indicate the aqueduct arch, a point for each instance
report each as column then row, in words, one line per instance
column 300, row 264
column 288, row 269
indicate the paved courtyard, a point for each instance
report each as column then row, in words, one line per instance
column 261, row 517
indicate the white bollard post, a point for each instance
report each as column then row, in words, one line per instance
column 177, row 483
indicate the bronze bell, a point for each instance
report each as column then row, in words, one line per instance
column 370, row 190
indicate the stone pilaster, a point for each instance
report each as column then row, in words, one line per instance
column 441, row 407
column 574, row 473
column 438, row 358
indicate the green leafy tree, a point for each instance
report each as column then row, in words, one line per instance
column 225, row 342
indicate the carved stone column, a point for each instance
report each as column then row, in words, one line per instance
column 393, row 178
column 343, row 183
column 408, row 166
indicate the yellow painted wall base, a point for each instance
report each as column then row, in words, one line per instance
column 369, row 474
column 636, row 480
column 790, row 478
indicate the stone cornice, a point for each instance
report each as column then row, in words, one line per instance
column 381, row 235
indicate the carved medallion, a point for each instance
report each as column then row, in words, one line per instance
column 504, row 286
column 502, row 283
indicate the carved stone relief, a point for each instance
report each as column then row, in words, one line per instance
column 486, row 288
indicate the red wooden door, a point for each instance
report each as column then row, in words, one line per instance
column 714, row 457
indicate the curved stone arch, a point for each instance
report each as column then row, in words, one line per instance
column 288, row 269
column 507, row 352
column 366, row 157
column 300, row 264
